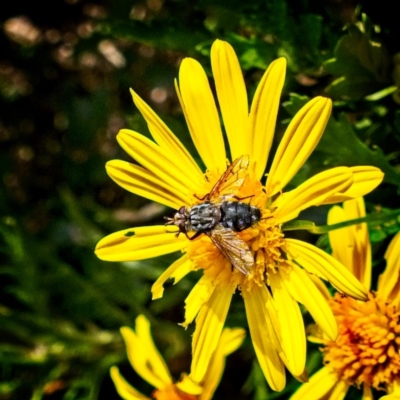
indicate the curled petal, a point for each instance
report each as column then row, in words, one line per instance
column 143, row 355
column 311, row 193
column 232, row 96
column 317, row 262
column 262, row 319
column 138, row 180
column 198, row 105
column 298, row 142
column 365, row 179
column 209, row 324
column 263, row 113
column 124, row 389
column 302, row 288
column 320, row 386
column 292, row 325
column 176, row 271
column 139, row 243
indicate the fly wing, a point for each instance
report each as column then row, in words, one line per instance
column 231, row 180
column 233, row 248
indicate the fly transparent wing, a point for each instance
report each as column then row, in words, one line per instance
column 233, row 248
column 231, row 180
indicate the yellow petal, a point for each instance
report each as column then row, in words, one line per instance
column 292, row 326
column 367, row 393
column 365, row 179
column 176, row 271
column 321, row 287
column 362, row 258
column 232, row 96
column 339, row 391
column 394, row 390
column 317, row 262
column 138, row 180
column 262, row 318
column 318, row 387
column 166, row 139
column 298, row 142
column 139, row 243
column 199, row 295
column 340, row 239
column 312, row 192
column 158, row 161
column 388, row 283
column 229, row 341
column 189, row 386
column 351, row 245
column 143, row 355
column 263, row 113
column 124, row 389
column 201, row 114
column 209, row 324
column 303, row 290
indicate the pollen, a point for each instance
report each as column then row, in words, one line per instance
column 367, row 349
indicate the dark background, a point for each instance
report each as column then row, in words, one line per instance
column 65, row 72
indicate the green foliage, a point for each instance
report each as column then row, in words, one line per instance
column 64, row 95
column 361, row 65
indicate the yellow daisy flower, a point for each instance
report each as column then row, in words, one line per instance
column 148, row 363
column 279, row 277
column 366, row 352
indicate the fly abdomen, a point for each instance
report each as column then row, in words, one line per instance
column 238, row 216
column 204, row 217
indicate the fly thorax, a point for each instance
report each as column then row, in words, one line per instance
column 204, row 217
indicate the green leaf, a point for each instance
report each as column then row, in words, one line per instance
column 298, row 225
column 345, row 148
column 360, row 65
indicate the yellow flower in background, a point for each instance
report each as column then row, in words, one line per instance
column 366, row 352
column 148, row 363
column 277, row 268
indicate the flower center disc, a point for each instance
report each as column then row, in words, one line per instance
column 264, row 239
column 367, row 348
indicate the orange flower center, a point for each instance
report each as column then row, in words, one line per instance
column 172, row 393
column 367, row 348
column 264, row 239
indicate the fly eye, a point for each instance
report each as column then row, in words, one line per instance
column 182, row 210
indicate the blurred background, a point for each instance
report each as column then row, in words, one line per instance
column 66, row 67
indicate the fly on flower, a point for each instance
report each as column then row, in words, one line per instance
column 276, row 270
column 221, row 214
